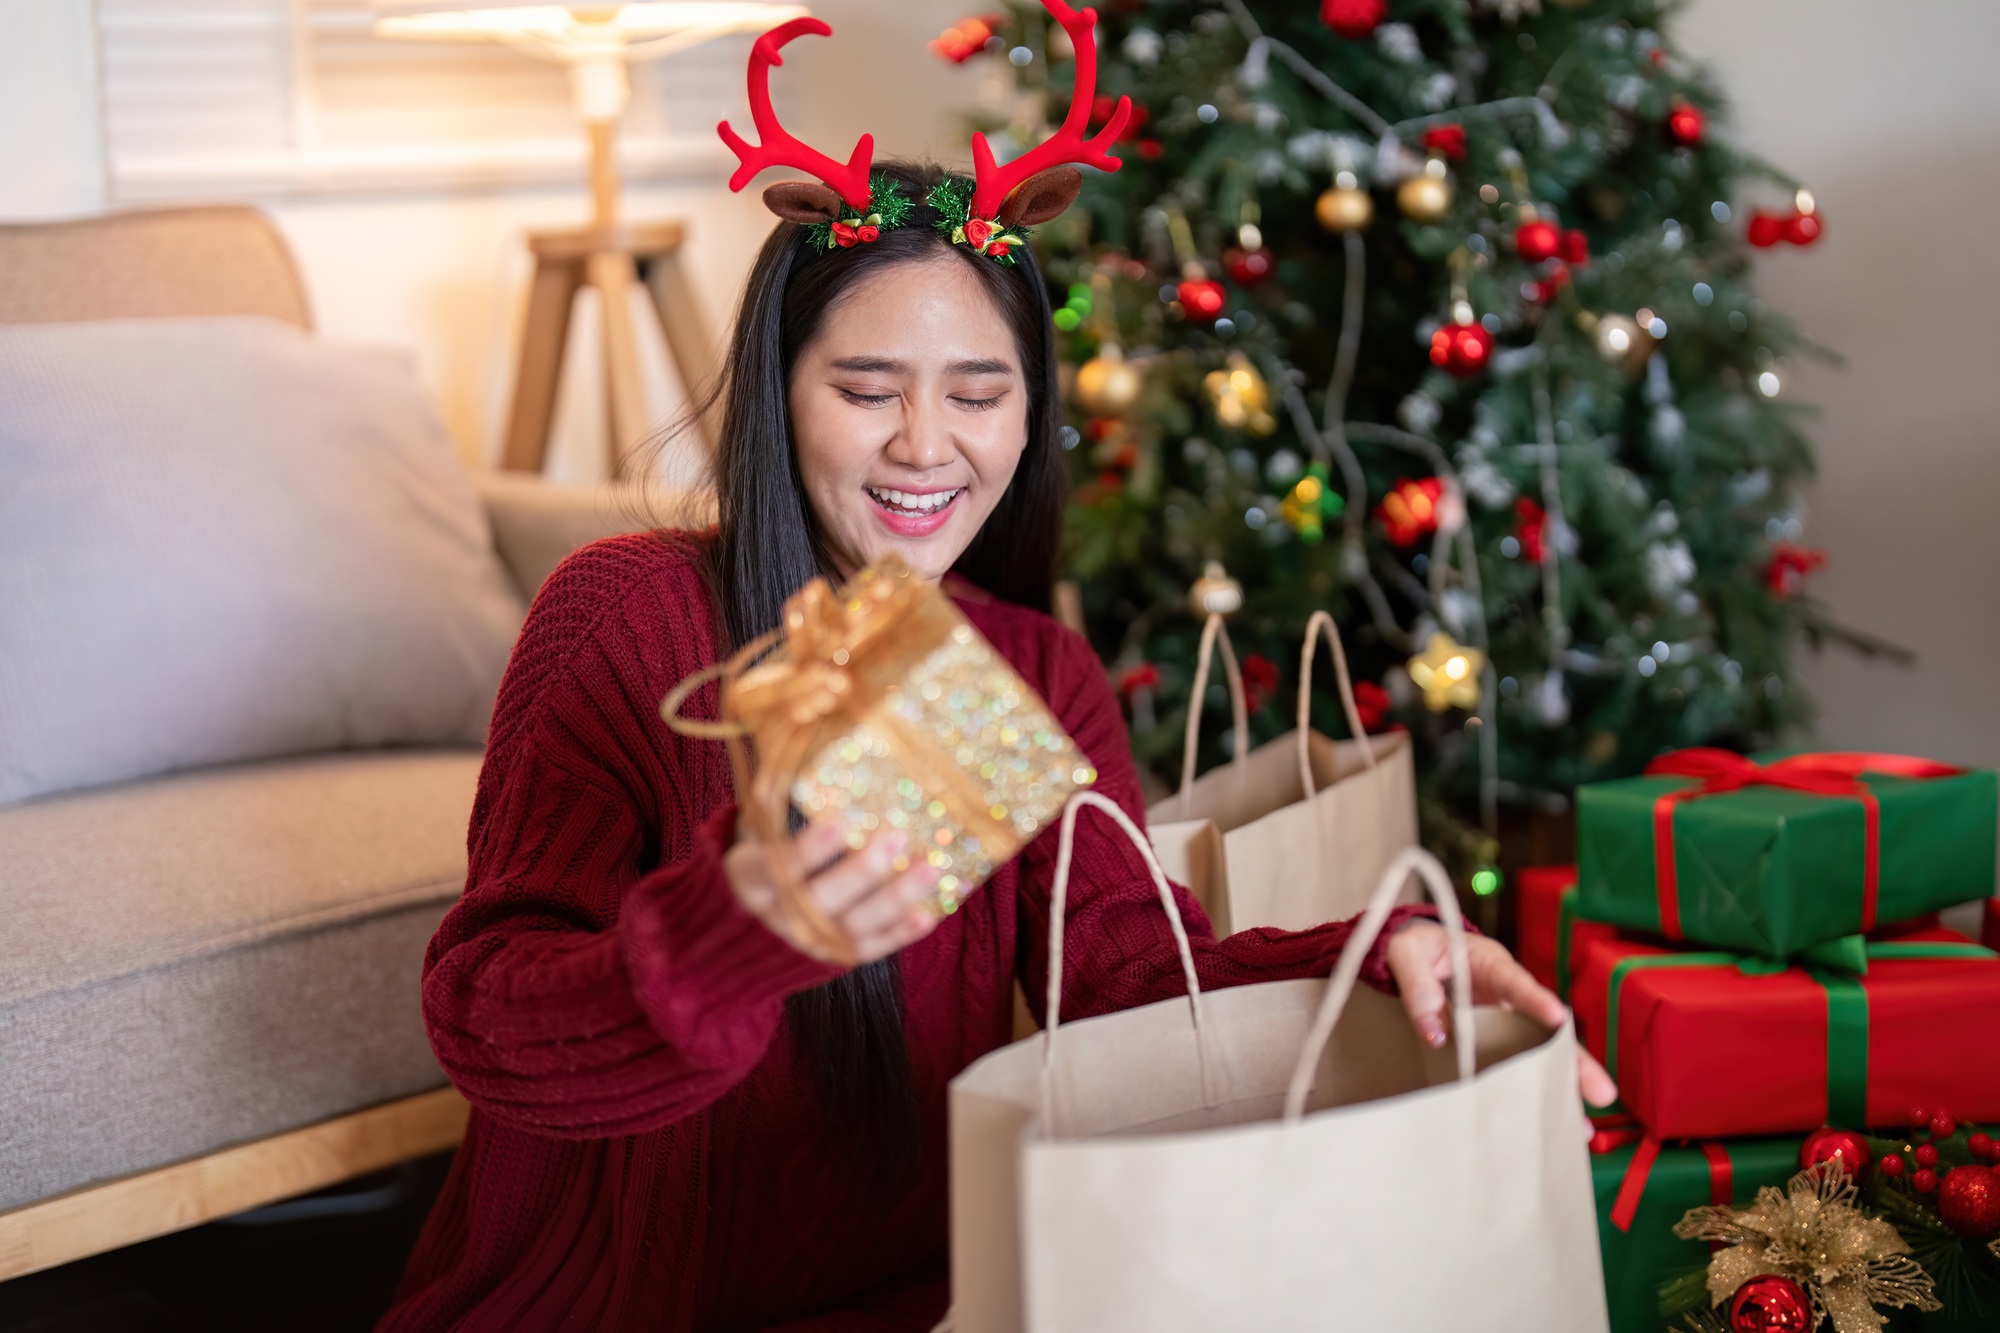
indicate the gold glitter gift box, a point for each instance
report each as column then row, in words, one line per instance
column 883, row 709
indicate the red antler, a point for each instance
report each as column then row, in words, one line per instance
column 778, row 148
column 994, row 183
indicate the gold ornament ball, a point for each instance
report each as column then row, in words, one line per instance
column 1215, row 593
column 1426, row 198
column 1107, row 384
column 1341, row 209
column 1621, row 341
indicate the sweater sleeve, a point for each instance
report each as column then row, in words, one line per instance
column 599, row 976
column 1119, row 951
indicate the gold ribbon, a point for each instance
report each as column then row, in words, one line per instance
column 788, row 703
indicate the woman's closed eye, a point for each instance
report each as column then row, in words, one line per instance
column 979, row 404
column 862, row 398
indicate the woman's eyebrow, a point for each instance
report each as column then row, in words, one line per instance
column 888, row 365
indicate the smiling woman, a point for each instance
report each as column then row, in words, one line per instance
column 683, row 1117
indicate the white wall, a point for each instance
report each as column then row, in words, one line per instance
column 1892, row 116
column 1889, row 113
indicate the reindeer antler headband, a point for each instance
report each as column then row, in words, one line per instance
column 847, row 206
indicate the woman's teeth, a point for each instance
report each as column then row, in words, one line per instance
column 910, row 503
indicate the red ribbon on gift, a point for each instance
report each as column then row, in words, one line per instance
column 1632, row 1188
column 1835, row 773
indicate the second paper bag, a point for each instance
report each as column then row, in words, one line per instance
column 1280, row 1157
column 1308, row 823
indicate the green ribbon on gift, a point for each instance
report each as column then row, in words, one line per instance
column 1565, row 923
column 1837, row 968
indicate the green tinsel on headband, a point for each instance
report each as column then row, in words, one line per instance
column 952, row 200
column 888, row 208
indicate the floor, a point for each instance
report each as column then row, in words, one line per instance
column 331, row 1270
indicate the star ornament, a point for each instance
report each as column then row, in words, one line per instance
column 1448, row 673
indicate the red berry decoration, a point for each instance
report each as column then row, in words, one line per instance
column 1893, row 1165
column 1765, row 230
column 1981, row 1145
column 1462, row 349
column 1201, row 299
column 1969, row 1202
column 1352, row 19
column 1446, row 139
column 1685, row 124
column 1924, row 1181
column 1803, row 228
column 1538, row 240
column 1836, row 1145
column 1943, row 1126
column 1247, row 268
column 1770, row 1304
column 1576, row 248
column 1926, row 1155
column 1920, row 1116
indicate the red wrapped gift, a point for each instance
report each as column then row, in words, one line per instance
column 1711, row 1045
column 1546, row 925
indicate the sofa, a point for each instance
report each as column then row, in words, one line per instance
column 209, row 979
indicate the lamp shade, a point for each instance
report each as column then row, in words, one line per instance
column 525, row 20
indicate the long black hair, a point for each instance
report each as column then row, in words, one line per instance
column 768, row 546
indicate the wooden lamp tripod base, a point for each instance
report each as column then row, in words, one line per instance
column 612, row 257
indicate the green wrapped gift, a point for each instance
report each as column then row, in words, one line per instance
column 1773, row 858
column 1648, row 1195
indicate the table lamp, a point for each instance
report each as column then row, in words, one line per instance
column 596, row 42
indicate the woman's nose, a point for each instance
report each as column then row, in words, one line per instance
column 924, row 439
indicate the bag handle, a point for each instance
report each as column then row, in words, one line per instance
column 1321, row 621
column 1348, row 971
column 1058, row 903
column 1211, row 631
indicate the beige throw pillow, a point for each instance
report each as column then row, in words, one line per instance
column 226, row 539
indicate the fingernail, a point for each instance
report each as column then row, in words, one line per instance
column 1432, row 1031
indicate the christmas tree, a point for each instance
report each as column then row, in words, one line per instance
column 1435, row 315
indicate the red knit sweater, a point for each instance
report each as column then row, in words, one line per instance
column 645, row 1151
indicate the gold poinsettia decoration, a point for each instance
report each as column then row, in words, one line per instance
column 1812, row 1232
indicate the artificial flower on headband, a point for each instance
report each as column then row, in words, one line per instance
column 989, row 214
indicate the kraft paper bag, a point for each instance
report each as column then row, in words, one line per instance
column 1281, row 1157
column 1308, row 823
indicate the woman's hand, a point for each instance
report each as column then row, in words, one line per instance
column 1420, row 960
column 880, row 909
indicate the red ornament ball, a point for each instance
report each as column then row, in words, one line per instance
column 1943, row 1126
column 1462, row 349
column 1201, row 299
column 1981, row 1145
column 1685, row 124
column 1926, row 1155
column 1770, row 1304
column 1831, row 1145
column 1969, row 1202
column 1249, row 267
column 1352, row 19
column 1893, row 1165
column 1924, row 1181
column 1575, row 248
column 1765, row 231
column 1803, row 228
column 1446, row 139
column 1538, row 240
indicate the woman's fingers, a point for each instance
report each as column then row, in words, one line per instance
column 890, row 905
column 1416, row 955
column 855, row 876
column 1497, row 978
column 1591, row 1078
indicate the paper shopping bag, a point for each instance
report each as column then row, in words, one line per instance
column 1308, row 823
column 1284, row 1156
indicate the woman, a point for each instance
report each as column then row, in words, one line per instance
column 680, row 1119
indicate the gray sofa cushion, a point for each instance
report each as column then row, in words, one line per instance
column 224, row 539
column 217, row 956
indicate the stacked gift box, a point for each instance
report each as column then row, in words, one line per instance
column 1752, row 948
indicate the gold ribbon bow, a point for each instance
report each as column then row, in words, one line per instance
column 788, row 704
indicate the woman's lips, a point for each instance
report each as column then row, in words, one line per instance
column 909, row 521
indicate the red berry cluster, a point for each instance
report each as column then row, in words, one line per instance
column 1968, row 1195
column 1799, row 228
